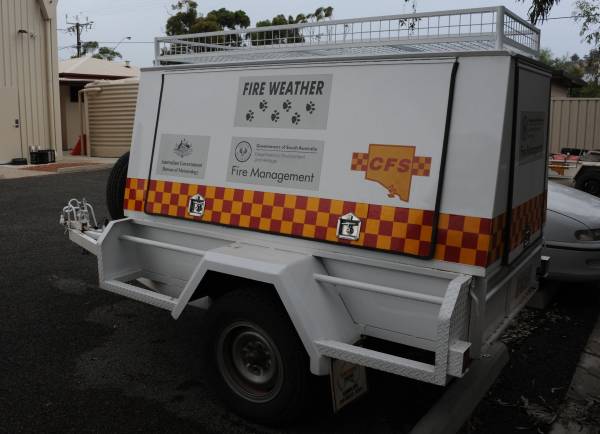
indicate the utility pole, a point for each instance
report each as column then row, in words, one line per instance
column 78, row 29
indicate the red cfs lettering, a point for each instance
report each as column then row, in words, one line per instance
column 377, row 164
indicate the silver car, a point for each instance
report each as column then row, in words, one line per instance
column 572, row 234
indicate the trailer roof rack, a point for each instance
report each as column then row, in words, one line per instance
column 465, row 30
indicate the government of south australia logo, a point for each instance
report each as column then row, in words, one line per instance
column 183, row 148
column 243, row 151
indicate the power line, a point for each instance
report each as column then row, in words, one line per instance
column 569, row 17
column 126, row 42
column 109, row 43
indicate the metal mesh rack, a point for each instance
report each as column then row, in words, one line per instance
column 482, row 29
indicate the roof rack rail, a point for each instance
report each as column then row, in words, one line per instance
column 464, row 30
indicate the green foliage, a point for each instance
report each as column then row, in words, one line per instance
column 87, row 48
column 97, row 52
column 539, row 9
column 586, row 68
column 187, row 20
column 183, row 20
column 288, row 36
column 588, row 14
column 107, row 53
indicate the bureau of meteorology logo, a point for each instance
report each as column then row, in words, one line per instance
column 243, row 151
column 392, row 166
column 183, row 148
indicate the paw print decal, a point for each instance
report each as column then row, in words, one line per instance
column 287, row 105
column 250, row 116
column 296, row 118
column 263, row 105
column 310, row 107
column 275, row 116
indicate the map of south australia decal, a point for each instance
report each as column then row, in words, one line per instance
column 392, row 166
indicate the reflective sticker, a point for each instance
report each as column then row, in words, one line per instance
column 348, row 227
column 196, row 206
column 348, row 382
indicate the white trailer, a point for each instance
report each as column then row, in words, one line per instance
column 319, row 186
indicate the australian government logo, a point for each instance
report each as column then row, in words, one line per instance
column 393, row 167
column 183, row 148
column 183, row 156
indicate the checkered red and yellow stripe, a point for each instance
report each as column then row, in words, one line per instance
column 497, row 239
column 461, row 239
column 529, row 216
column 360, row 161
column 421, row 166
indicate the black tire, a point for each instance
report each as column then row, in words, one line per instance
column 115, row 187
column 254, row 325
column 589, row 182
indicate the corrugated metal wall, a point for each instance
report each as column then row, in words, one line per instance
column 29, row 63
column 110, row 115
column 574, row 123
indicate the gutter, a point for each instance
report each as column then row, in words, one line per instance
column 83, row 117
column 49, row 12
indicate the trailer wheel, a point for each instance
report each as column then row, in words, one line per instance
column 115, row 187
column 254, row 359
column 589, row 182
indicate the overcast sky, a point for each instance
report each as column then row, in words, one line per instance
column 145, row 19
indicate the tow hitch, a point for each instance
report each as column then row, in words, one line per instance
column 79, row 216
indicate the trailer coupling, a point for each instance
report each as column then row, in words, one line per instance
column 79, row 216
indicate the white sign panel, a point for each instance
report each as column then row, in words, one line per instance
column 287, row 163
column 375, row 134
column 284, row 101
column 182, row 156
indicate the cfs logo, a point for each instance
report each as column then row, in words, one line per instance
column 392, row 166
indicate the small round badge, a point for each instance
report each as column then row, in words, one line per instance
column 243, row 151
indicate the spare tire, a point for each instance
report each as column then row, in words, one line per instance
column 115, row 187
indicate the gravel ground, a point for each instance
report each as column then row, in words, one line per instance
column 544, row 349
column 74, row 359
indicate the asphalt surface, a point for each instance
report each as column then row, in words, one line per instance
column 75, row 359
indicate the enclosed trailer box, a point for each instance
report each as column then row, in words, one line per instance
column 386, row 177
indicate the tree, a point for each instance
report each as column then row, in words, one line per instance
column 97, row 52
column 107, row 53
column 187, row 20
column 87, row 48
column 586, row 68
column 289, row 36
column 539, row 9
column 588, row 14
column 183, row 20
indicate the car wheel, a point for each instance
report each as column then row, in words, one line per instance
column 589, row 182
column 254, row 360
column 115, row 187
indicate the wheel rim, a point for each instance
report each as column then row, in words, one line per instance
column 592, row 187
column 250, row 362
